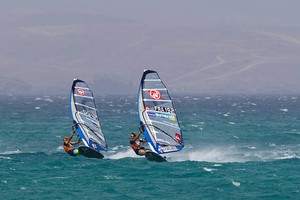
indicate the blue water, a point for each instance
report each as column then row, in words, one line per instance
column 237, row 147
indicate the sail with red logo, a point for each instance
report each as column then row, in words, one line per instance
column 85, row 116
column 157, row 115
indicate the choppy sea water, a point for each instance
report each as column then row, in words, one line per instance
column 236, row 147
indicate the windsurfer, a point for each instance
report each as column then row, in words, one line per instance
column 68, row 145
column 135, row 144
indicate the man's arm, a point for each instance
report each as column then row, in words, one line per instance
column 79, row 140
column 70, row 138
column 137, row 137
column 141, row 131
column 140, row 139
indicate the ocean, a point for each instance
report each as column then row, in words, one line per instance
column 236, row 147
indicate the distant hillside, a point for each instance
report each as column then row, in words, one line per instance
column 44, row 51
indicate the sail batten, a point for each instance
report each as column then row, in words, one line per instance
column 85, row 88
column 152, row 80
column 158, row 100
column 165, row 124
column 158, row 116
column 87, row 97
column 146, row 89
column 85, row 106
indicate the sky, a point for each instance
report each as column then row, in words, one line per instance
column 196, row 46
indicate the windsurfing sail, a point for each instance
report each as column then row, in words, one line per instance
column 85, row 116
column 158, row 116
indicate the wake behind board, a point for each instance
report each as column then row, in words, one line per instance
column 90, row 153
column 151, row 156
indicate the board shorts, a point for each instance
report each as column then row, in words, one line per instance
column 139, row 151
column 74, row 152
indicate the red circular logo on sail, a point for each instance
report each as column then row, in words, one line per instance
column 155, row 94
column 178, row 137
column 81, row 91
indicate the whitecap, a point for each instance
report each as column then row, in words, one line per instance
column 59, row 148
column 251, row 147
column 294, row 131
column 284, row 110
column 219, row 155
column 11, row 152
column 226, row 114
column 124, row 154
column 217, row 165
column 112, row 178
column 117, row 148
column 209, row 169
column 37, row 107
column 5, row 158
column 286, row 157
column 236, row 183
column 48, row 100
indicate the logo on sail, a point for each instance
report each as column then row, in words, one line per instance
column 178, row 137
column 155, row 94
column 81, row 91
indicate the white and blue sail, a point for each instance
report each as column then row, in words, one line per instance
column 85, row 116
column 158, row 116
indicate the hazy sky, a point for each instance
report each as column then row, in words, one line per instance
column 197, row 46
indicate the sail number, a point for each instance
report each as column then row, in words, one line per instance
column 163, row 109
